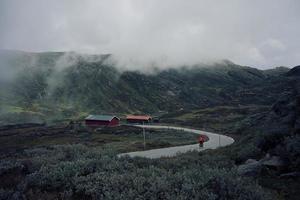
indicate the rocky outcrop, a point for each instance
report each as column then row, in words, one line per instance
column 250, row 168
column 273, row 161
column 253, row 167
column 283, row 120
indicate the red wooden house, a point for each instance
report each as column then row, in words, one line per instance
column 101, row 120
column 139, row 119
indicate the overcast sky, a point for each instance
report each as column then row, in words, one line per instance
column 258, row 33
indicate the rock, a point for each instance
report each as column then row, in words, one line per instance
column 272, row 161
column 290, row 175
column 250, row 168
column 249, row 161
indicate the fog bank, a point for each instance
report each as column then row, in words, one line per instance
column 141, row 33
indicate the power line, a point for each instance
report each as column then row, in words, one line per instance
column 144, row 134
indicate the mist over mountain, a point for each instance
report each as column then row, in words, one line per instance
column 171, row 32
column 50, row 91
column 222, row 74
column 70, row 83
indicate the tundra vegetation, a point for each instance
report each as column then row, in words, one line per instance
column 258, row 108
column 122, row 138
column 77, row 172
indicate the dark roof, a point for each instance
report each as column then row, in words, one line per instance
column 101, row 117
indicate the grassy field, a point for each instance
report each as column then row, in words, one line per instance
column 121, row 139
column 220, row 119
column 154, row 139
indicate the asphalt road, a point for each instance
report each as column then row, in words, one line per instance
column 215, row 141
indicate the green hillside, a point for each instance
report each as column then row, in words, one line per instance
column 59, row 85
column 258, row 108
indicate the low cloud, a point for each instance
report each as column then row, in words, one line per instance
column 142, row 34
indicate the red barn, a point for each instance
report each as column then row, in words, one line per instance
column 138, row 119
column 101, row 120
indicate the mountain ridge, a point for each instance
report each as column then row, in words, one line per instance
column 42, row 81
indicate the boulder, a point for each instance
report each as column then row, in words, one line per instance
column 250, row 168
column 272, row 161
column 249, row 161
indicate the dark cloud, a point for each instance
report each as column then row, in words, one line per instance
column 261, row 33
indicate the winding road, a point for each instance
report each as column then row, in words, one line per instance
column 215, row 141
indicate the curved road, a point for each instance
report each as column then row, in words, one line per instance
column 215, row 141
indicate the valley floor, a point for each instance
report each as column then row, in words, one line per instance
column 67, row 162
column 121, row 139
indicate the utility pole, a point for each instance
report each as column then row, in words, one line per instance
column 219, row 140
column 144, row 134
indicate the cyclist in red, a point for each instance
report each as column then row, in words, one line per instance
column 201, row 140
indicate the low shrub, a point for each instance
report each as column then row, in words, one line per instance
column 86, row 173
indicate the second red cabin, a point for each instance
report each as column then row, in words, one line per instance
column 139, row 119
